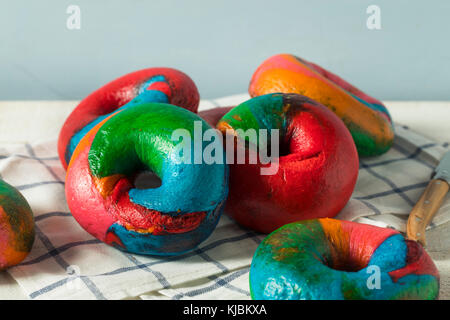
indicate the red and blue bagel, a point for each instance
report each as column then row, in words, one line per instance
column 168, row 220
column 164, row 85
column 328, row 259
column 16, row 226
column 317, row 163
column 367, row 118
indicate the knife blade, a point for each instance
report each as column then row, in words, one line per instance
column 429, row 203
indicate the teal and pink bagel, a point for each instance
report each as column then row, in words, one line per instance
column 16, row 226
column 328, row 259
column 170, row 219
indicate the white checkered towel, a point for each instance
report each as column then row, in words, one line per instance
column 67, row 263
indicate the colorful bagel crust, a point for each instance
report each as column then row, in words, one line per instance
column 328, row 259
column 16, row 226
column 318, row 166
column 168, row 220
column 367, row 118
column 212, row 116
column 164, row 85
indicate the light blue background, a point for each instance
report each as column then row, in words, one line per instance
column 220, row 43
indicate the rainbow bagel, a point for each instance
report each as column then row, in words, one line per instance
column 170, row 219
column 163, row 85
column 16, row 226
column 317, row 163
column 332, row 259
column 367, row 118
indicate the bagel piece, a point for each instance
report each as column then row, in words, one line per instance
column 367, row 118
column 163, row 85
column 16, row 226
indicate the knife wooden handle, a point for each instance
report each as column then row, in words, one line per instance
column 425, row 209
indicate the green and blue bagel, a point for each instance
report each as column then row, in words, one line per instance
column 328, row 259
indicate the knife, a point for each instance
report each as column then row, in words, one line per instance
column 430, row 201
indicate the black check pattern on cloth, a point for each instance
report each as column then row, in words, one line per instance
column 387, row 188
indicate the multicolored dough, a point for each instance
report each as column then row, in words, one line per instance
column 367, row 118
column 317, row 165
column 170, row 219
column 164, row 85
column 16, row 226
column 212, row 116
column 328, row 259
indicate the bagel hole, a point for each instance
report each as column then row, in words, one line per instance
column 343, row 262
column 284, row 148
column 346, row 266
column 146, row 179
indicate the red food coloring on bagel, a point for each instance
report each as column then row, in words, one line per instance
column 161, row 86
column 140, row 219
column 417, row 262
